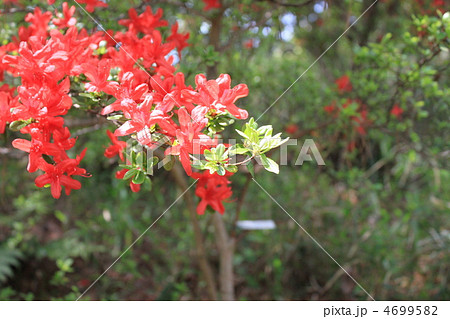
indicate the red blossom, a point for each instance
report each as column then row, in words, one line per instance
column 291, row 129
column 39, row 22
column 249, row 44
column 218, row 95
column 397, row 111
column 179, row 39
column 189, row 138
column 92, row 4
column 5, row 114
column 331, row 108
column 344, row 84
column 116, row 148
column 146, row 22
column 47, row 60
column 98, row 72
column 59, row 175
column 211, row 4
column 36, row 148
column 212, row 189
column 67, row 19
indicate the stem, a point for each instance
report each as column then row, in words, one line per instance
column 225, row 245
column 244, row 161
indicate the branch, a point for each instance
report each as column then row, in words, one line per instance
column 225, row 245
column 293, row 5
column 178, row 175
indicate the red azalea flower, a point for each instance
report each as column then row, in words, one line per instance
column 396, row 111
column 249, row 44
column 128, row 94
column 98, row 72
column 189, row 139
column 179, row 39
column 440, row 5
column 167, row 93
column 217, row 95
column 116, row 148
column 146, row 22
column 211, row 4
column 344, row 84
column 141, row 119
column 62, row 139
column 213, row 189
column 291, row 129
column 67, row 20
column 331, row 108
column 58, row 175
column 39, row 22
column 5, row 114
column 92, row 4
column 36, row 147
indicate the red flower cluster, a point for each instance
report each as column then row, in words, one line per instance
column 344, row 84
column 430, row 6
column 150, row 95
column 90, row 4
column 44, row 66
column 212, row 189
column 360, row 121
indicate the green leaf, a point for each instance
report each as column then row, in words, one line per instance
column 211, row 166
column 139, row 178
column 237, row 149
column 243, row 134
column 130, row 173
column 209, row 156
column 269, row 164
column 133, row 157
column 125, row 166
column 231, row 168
column 265, row 130
column 139, row 161
column 221, row 170
column 220, row 152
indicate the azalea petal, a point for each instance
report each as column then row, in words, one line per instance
column 42, row 180
column 21, row 144
column 56, row 189
column 70, row 182
column 184, row 119
column 126, row 129
column 135, row 187
column 201, row 207
column 186, row 162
